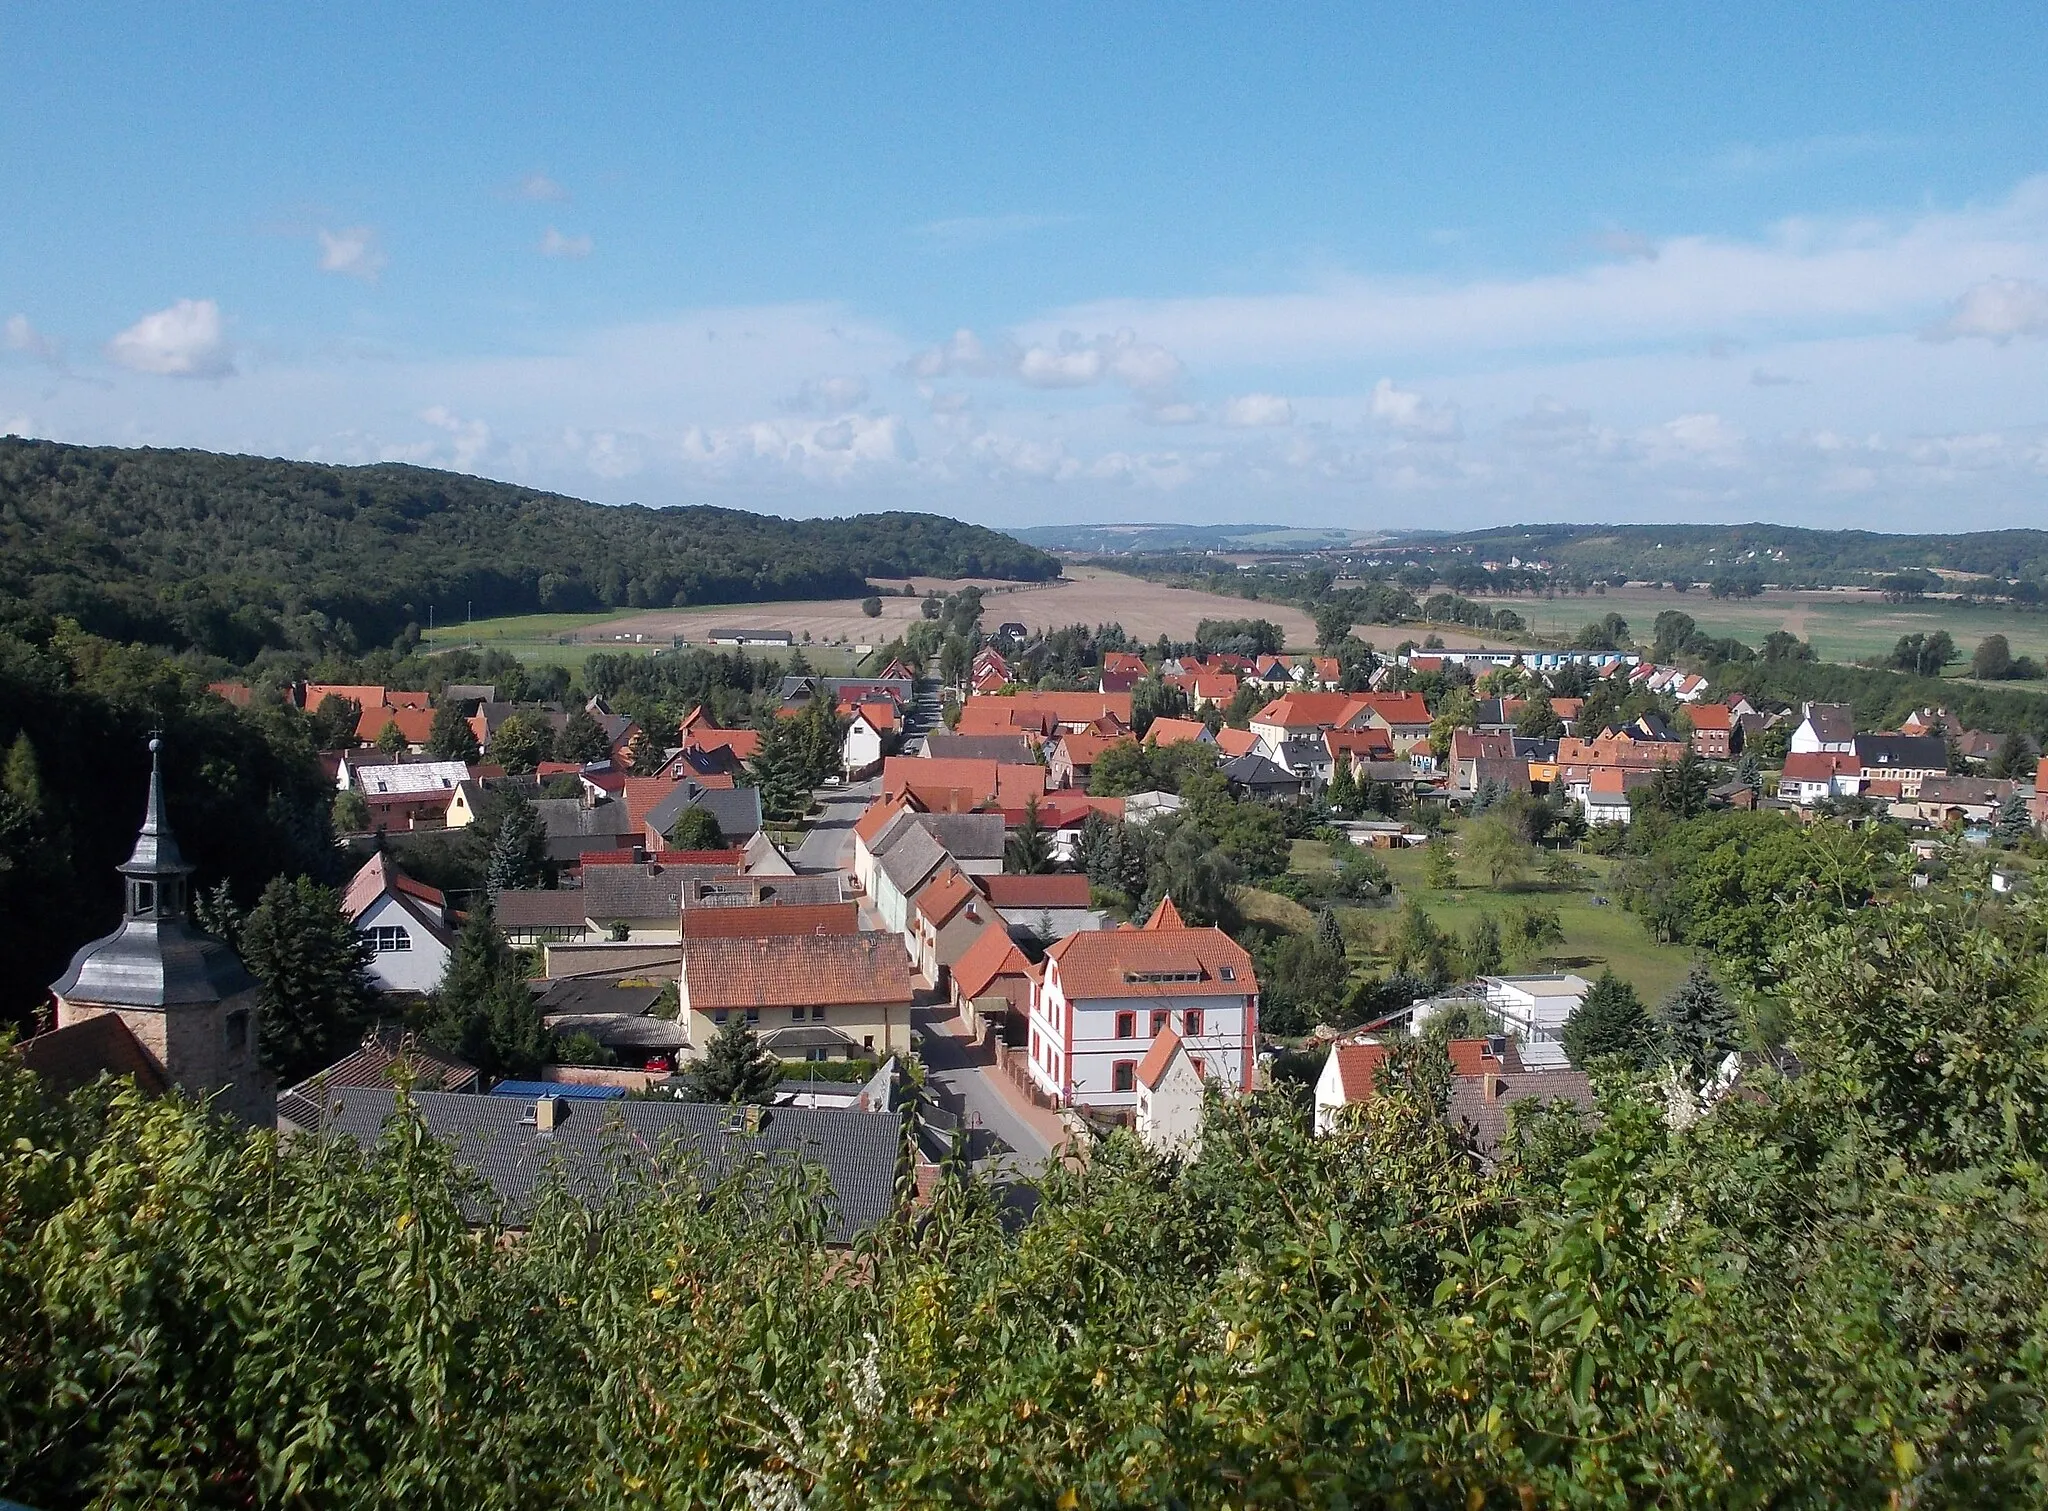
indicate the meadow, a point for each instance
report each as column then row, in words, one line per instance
column 1598, row 933
column 1848, row 625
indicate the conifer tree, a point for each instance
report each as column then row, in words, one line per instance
column 1442, row 868
column 1343, row 793
column 582, row 739
column 519, row 855
column 1610, row 1021
column 482, row 1012
column 1029, row 850
column 1483, row 948
column 2012, row 824
column 391, row 739
column 1329, row 934
column 23, row 780
column 451, row 738
column 735, row 1067
column 314, row 968
column 1697, row 1024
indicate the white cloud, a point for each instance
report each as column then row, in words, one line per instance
column 1253, row 410
column 1995, row 310
column 554, row 244
column 541, row 188
column 1759, row 378
column 25, row 338
column 472, row 438
column 1411, row 414
column 353, row 253
column 832, row 395
column 1806, row 278
column 1065, row 360
column 1625, row 244
column 184, row 341
column 1173, row 414
column 966, row 232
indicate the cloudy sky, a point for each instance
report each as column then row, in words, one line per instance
column 1426, row 266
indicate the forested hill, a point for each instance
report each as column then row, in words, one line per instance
column 233, row 554
column 1781, row 554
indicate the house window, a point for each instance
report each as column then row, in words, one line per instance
column 719, row 1015
column 817, row 1015
column 753, row 1015
column 1228, row 973
column 1201, row 1071
column 1127, row 1025
column 796, row 1015
column 145, row 896
column 867, row 1041
column 388, row 939
column 1191, row 1022
column 1160, row 1018
column 237, row 1030
column 1125, row 1076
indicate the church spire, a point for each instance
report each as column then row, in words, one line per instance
column 156, row 871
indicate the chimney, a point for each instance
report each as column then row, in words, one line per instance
column 1497, row 1048
column 549, row 1113
column 750, row 1118
column 1493, row 1086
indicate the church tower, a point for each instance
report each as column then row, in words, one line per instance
column 184, row 995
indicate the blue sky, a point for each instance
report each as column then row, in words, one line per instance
column 1372, row 266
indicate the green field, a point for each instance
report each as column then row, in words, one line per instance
column 1839, row 626
column 1595, row 937
column 566, row 640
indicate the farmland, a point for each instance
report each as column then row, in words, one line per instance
column 1841, row 625
column 1146, row 610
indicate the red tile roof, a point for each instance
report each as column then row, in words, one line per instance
column 945, row 895
column 728, row 858
column 809, row 970
column 1395, row 708
column 1713, row 718
column 992, row 958
column 1131, row 963
column 1236, row 742
column 1175, row 731
column 1055, row 890
column 414, row 724
column 1357, row 1067
column 1820, row 765
column 1306, row 710
column 1166, row 916
column 1157, row 1058
column 771, row 920
column 75, row 1055
column 880, row 813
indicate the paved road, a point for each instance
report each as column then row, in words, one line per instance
column 947, row 1062
column 829, row 844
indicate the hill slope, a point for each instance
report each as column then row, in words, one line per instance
column 231, row 554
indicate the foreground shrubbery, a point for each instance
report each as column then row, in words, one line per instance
column 1830, row 1293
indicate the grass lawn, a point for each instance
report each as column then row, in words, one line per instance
column 1595, row 937
column 1272, row 909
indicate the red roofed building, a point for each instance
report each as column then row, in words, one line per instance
column 1812, row 777
column 960, row 785
column 1042, row 714
column 1404, row 716
column 1069, row 758
column 1238, row 742
column 1164, row 732
column 1205, row 689
column 992, row 986
column 2039, row 807
column 1351, row 1073
column 1105, row 996
column 1713, row 731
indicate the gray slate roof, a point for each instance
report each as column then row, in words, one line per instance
column 726, row 890
column 1486, row 1121
column 1010, row 750
column 966, row 836
column 912, row 857
column 737, row 809
column 857, row 1150
column 646, row 891
column 1256, row 771
column 567, row 817
column 1906, row 752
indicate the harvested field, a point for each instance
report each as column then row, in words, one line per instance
column 1146, row 610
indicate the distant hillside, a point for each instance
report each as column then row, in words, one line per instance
column 233, row 554
column 1779, row 553
column 1117, row 539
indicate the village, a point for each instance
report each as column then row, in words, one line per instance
column 921, row 970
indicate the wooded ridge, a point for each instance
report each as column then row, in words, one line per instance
column 234, row 554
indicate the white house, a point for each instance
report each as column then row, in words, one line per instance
column 1170, row 1097
column 1347, row 1079
column 1106, row 996
column 406, row 922
column 868, row 736
column 374, row 774
column 1824, row 728
column 1534, row 1010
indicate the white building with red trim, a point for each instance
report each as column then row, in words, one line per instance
column 1106, row 996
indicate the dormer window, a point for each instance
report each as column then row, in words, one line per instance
column 142, row 895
